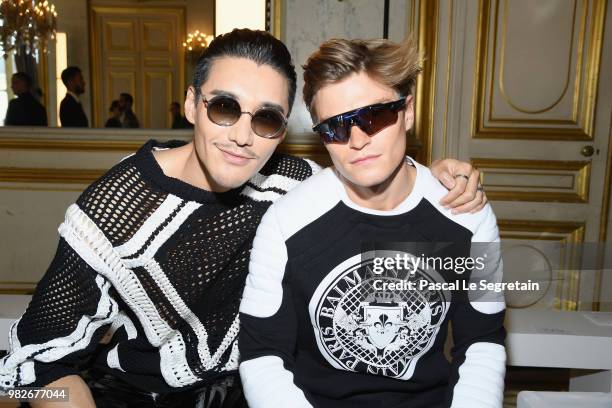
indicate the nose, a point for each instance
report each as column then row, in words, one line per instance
column 241, row 132
column 359, row 139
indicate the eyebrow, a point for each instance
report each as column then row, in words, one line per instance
column 220, row 92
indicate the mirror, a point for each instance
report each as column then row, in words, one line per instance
column 125, row 66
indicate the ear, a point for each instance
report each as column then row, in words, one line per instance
column 281, row 139
column 190, row 105
column 409, row 112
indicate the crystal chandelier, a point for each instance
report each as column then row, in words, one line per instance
column 26, row 25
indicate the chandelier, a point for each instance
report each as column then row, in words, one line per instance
column 26, row 25
column 195, row 43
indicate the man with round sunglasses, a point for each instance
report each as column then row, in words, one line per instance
column 140, row 303
column 357, row 273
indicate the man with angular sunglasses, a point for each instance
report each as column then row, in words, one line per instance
column 338, row 309
column 141, row 299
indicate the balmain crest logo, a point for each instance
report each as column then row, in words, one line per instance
column 360, row 327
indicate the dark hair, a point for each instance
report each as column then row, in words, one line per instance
column 128, row 98
column 396, row 65
column 70, row 73
column 178, row 105
column 22, row 76
column 258, row 46
column 114, row 104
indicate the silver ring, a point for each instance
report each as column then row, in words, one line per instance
column 462, row 175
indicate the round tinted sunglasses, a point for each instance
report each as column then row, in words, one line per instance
column 225, row 111
column 371, row 119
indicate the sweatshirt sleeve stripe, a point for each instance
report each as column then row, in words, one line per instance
column 263, row 292
column 478, row 327
column 481, row 377
column 268, row 323
column 280, row 392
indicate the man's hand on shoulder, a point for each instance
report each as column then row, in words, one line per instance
column 463, row 182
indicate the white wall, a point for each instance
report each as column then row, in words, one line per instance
column 307, row 23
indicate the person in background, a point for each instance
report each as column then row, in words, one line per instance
column 128, row 118
column 25, row 110
column 71, row 110
column 179, row 121
column 115, row 113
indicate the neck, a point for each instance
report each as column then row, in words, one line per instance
column 386, row 195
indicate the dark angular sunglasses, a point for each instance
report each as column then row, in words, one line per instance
column 371, row 119
column 225, row 111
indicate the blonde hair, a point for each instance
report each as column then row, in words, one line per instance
column 396, row 65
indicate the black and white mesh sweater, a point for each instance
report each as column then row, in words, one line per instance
column 147, row 278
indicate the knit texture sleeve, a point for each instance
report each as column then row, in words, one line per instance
column 73, row 306
column 69, row 313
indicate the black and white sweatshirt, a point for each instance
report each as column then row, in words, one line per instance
column 147, row 279
column 318, row 328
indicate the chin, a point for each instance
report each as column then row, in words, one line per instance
column 235, row 176
column 370, row 178
column 227, row 176
column 230, row 181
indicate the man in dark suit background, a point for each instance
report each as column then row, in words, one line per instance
column 25, row 110
column 128, row 118
column 71, row 110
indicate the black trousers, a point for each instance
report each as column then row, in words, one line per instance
column 109, row 391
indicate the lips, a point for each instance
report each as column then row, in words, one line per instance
column 235, row 154
column 365, row 159
column 233, row 157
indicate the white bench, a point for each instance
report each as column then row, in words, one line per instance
column 545, row 399
column 581, row 341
